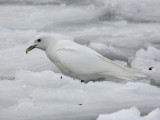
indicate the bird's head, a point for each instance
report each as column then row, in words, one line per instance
column 41, row 41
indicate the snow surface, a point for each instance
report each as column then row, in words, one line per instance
column 44, row 95
column 131, row 114
column 125, row 31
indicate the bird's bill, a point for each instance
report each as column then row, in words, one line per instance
column 30, row 48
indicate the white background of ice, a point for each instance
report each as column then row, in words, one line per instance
column 126, row 31
column 131, row 114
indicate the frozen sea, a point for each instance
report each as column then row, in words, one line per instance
column 126, row 31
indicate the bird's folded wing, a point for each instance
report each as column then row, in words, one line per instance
column 80, row 60
column 83, row 60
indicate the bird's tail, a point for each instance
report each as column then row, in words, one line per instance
column 132, row 75
column 122, row 72
column 129, row 74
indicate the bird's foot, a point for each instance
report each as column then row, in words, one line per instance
column 82, row 81
column 150, row 68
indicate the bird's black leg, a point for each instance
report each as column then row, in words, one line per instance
column 150, row 68
column 82, row 81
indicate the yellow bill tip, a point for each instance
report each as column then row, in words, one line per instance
column 27, row 50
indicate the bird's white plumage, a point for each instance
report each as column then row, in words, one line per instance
column 81, row 62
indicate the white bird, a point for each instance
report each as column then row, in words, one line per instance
column 80, row 62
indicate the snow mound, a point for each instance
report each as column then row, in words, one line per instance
column 131, row 114
column 149, row 58
column 47, row 95
column 109, row 51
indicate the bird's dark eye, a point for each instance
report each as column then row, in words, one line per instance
column 39, row 40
